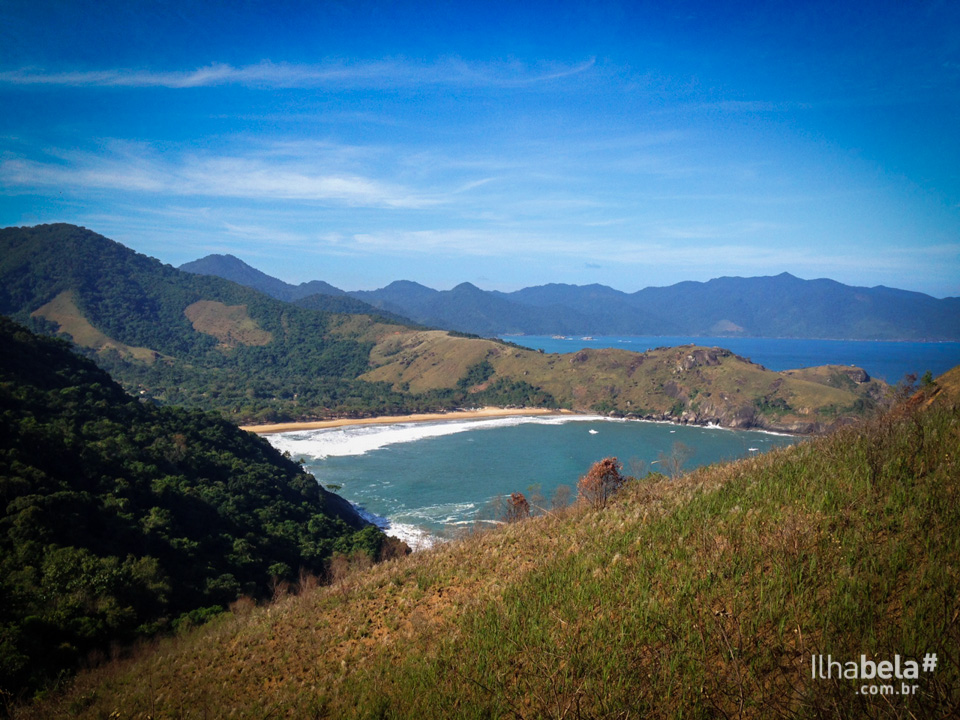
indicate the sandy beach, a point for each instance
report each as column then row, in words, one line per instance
column 480, row 413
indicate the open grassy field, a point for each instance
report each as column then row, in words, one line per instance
column 63, row 310
column 704, row 596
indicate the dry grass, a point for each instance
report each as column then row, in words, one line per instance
column 703, row 596
column 230, row 324
column 656, row 382
column 427, row 359
column 63, row 310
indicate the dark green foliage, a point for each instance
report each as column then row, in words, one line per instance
column 518, row 393
column 119, row 516
column 772, row 406
column 476, row 374
column 501, row 391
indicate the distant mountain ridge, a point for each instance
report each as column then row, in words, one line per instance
column 313, row 295
column 770, row 306
column 233, row 268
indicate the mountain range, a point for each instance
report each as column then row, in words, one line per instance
column 779, row 306
column 180, row 338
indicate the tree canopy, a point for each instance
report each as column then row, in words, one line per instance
column 117, row 517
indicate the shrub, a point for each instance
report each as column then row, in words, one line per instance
column 601, row 482
column 518, row 508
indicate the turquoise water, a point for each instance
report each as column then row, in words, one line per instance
column 424, row 481
column 427, row 480
column 889, row 361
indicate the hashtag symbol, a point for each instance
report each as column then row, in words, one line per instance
column 929, row 662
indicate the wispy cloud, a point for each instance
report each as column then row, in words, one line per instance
column 135, row 168
column 391, row 72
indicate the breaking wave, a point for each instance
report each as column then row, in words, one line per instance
column 361, row 439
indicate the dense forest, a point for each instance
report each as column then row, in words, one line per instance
column 121, row 518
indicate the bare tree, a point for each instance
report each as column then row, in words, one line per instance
column 517, row 507
column 674, row 462
column 601, row 482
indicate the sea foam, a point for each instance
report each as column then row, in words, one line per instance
column 415, row 537
column 361, row 439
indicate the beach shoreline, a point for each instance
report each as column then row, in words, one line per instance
column 476, row 414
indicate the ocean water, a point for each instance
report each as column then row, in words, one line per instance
column 889, row 361
column 425, row 481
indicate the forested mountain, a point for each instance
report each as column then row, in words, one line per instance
column 233, row 268
column 188, row 339
column 313, row 295
column 346, row 305
column 467, row 308
column 780, row 306
column 205, row 342
column 118, row 517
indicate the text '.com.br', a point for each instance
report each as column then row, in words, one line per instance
column 826, row 668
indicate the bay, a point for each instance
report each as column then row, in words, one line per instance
column 886, row 360
column 424, row 481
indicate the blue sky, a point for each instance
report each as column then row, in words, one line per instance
column 508, row 145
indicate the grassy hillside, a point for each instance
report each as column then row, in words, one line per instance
column 687, row 384
column 193, row 340
column 179, row 338
column 705, row 596
column 203, row 342
column 119, row 519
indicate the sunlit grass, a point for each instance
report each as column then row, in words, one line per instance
column 704, row 596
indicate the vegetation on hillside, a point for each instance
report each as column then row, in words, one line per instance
column 203, row 342
column 119, row 518
column 684, row 384
column 206, row 343
column 708, row 595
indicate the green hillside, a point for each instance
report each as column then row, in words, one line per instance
column 119, row 518
column 197, row 341
column 682, row 384
column 180, row 338
column 706, row 596
column 207, row 343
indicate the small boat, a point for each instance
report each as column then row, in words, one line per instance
column 592, row 432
